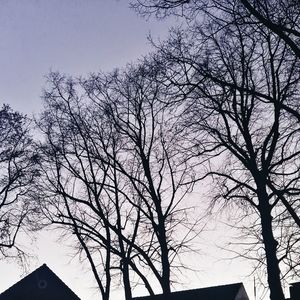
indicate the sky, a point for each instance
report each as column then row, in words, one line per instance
column 71, row 36
column 77, row 37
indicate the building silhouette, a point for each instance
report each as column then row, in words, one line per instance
column 44, row 284
column 234, row 291
column 41, row 284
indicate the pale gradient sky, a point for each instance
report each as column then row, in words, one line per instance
column 73, row 36
column 77, row 37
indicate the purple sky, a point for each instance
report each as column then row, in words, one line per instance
column 71, row 36
column 77, row 37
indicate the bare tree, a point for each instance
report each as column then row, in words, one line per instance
column 79, row 188
column 17, row 173
column 234, row 84
column 113, row 177
column 242, row 57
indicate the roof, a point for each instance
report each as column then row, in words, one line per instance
column 221, row 292
column 40, row 284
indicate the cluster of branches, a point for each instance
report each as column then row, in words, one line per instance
column 280, row 17
column 17, row 174
column 110, row 175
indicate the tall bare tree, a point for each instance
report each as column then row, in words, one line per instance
column 237, row 69
column 233, row 84
column 113, row 177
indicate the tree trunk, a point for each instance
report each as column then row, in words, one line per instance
column 161, row 230
column 270, row 244
column 165, row 280
column 126, row 279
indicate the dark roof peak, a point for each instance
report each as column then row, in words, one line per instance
column 224, row 292
column 42, row 283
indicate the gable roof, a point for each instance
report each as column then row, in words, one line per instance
column 222, row 292
column 40, row 284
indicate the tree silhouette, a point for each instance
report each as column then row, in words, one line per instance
column 234, row 84
column 17, row 173
column 111, row 176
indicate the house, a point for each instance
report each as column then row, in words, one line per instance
column 234, row 291
column 41, row 284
